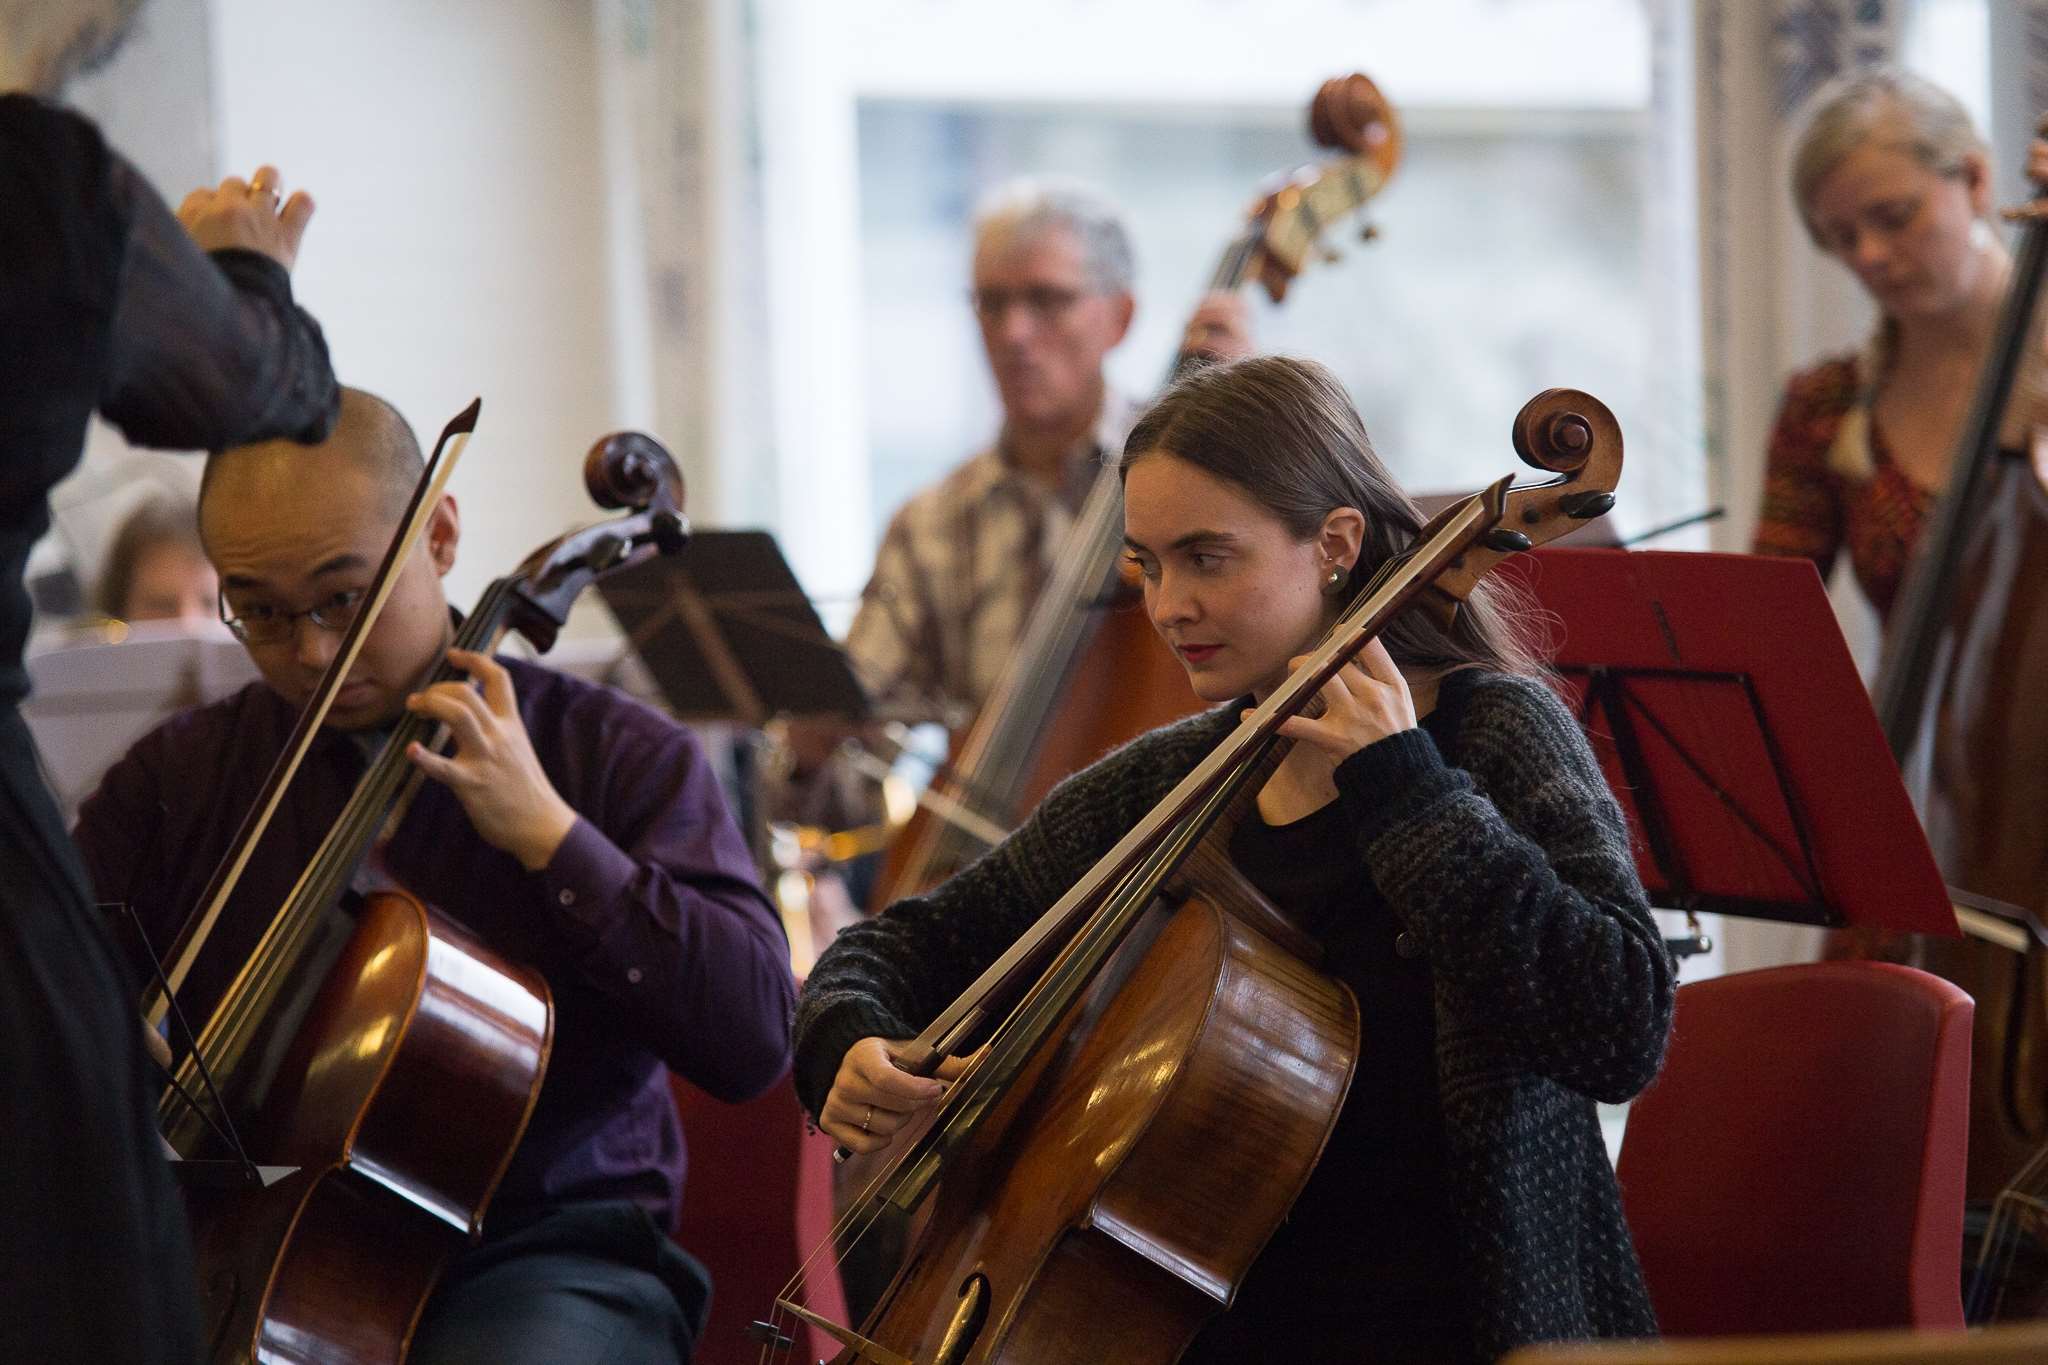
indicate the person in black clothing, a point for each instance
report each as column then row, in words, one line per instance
column 186, row 337
column 1442, row 829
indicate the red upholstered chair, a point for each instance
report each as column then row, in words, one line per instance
column 757, row 1202
column 1798, row 1166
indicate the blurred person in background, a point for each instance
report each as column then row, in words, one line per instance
column 1893, row 180
column 963, row 561
column 156, row 569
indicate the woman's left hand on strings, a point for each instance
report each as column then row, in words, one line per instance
column 493, row 771
column 1364, row 703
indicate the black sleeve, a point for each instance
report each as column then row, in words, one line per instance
column 1514, row 870
column 890, row 976
column 207, row 351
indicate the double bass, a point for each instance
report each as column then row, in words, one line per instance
column 328, row 1188
column 1095, row 1189
column 1087, row 673
column 1960, row 695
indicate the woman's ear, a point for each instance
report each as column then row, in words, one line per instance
column 1342, row 538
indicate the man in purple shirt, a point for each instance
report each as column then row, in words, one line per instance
column 571, row 827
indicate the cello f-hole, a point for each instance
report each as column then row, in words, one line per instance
column 968, row 1319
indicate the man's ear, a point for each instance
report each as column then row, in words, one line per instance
column 1123, row 307
column 444, row 533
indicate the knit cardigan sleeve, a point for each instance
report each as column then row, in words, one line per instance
column 890, row 976
column 1513, row 869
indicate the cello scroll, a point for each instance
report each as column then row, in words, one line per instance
column 632, row 469
column 1569, row 433
column 626, row 469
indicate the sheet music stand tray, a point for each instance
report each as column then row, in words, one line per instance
column 1729, row 718
column 728, row 633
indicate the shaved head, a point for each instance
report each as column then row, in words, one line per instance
column 291, row 528
column 371, row 437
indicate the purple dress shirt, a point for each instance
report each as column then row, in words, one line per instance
column 649, row 923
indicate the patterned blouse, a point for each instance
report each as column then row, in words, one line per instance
column 1811, row 508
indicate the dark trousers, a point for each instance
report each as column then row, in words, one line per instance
column 572, row 1284
column 95, row 1259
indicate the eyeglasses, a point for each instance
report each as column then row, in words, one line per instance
column 262, row 624
column 1044, row 302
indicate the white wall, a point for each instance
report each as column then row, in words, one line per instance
column 460, row 247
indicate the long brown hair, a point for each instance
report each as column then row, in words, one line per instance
column 1284, row 431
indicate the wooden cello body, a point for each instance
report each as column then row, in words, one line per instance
column 1202, row 1075
column 416, row 1024
column 1984, row 792
column 1159, row 1062
column 1089, row 673
column 386, row 1078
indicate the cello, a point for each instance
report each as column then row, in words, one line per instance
column 1154, row 1076
column 329, row 1249
column 1959, row 695
column 1087, row 673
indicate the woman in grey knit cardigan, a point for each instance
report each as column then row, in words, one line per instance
column 1442, row 828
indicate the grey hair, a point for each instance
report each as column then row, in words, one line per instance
column 1910, row 114
column 1026, row 207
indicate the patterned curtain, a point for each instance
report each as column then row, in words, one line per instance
column 2019, row 89
column 1769, row 302
column 682, row 157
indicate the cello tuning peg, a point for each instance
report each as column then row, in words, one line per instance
column 1505, row 540
column 605, row 552
column 1586, row 506
column 671, row 531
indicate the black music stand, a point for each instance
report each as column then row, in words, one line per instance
column 1721, row 699
column 728, row 634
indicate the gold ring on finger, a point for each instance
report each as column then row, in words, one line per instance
column 870, row 1118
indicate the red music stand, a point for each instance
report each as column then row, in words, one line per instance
column 1721, row 699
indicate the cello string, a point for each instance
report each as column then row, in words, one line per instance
column 1053, row 638
column 1132, row 893
column 1229, row 275
column 1145, row 874
column 964, row 1091
column 228, row 1027
column 1015, row 712
column 1054, row 994
column 1056, row 989
column 334, row 863
column 447, row 452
